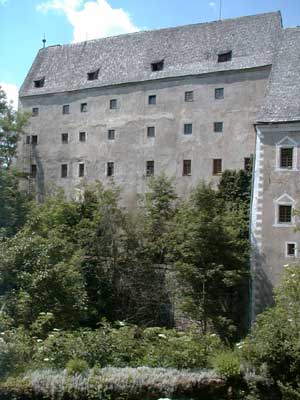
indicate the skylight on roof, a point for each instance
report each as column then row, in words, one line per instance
column 157, row 66
column 92, row 76
column 39, row 82
column 224, row 57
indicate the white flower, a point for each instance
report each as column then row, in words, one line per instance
column 39, row 340
column 56, row 329
column 46, row 359
column 161, row 335
column 213, row 335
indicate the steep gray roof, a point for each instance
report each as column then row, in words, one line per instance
column 282, row 100
column 186, row 50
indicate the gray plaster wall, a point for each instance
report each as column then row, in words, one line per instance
column 131, row 148
column 276, row 187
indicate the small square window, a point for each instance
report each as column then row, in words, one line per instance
column 81, row 170
column 152, row 99
column 64, row 170
column 189, row 96
column 150, row 131
column 217, row 166
column 82, row 136
column 39, row 82
column 291, row 249
column 34, row 139
column 83, row 107
column 66, row 109
column 224, row 57
column 64, row 138
column 285, row 214
column 286, row 157
column 219, row 93
column 188, row 129
column 91, row 76
column 113, row 104
column 110, row 169
column 187, row 167
column 33, row 171
column 157, row 66
column 150, row 168
column 247, row 163
column 111, row 134
column 35, row 111
column 218, row 126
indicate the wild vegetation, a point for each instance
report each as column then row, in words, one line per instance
column 90, row 294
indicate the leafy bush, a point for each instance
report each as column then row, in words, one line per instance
column 227, row 364
column 76, row 366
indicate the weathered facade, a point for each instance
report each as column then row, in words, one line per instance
column 183, row 101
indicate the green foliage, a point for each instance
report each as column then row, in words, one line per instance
column 274, row 342
column 227, row 364
column 76, row 366
column 211, row 259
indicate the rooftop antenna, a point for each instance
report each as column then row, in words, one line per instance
column 220, row 11
column 44, row 41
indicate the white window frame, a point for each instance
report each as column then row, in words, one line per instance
column 284, row 200
column 286, row 143
column 286, row 250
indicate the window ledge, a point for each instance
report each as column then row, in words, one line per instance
column 286, row 225
column 286, row 169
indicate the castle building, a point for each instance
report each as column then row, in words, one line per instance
column 187, row 101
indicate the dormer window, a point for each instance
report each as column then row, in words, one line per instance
column 224, row 57
column 157, row 66
column 39, row 82
column 92, row 76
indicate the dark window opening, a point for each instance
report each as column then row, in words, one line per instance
column 111, row 134
column 150, row 168
column 291, row 249
column 152, row 99
column 81, row 170
column 247, row 163
column 82, row 136
column 64, row 138
column 189, row 96
column 64, row 170
column 218, row 126
column 91, row 76
column 110, row 169
column 66, row 109
column 187, row 167
column 39, row 82
column 83, row 107
column 219, row 93
column 35, row 111
column 217, row 166
column 286, row 157
column 34, row 139
column 285, row 214
column 224, row 57
column 27, row 139
column 188, row 129
column 113, row 104
column 33, row 171
column 151, row 131
column 157, row 66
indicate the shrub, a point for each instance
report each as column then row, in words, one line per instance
column 227, row 364
column 76, row 366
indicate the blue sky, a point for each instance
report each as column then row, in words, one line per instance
column 23, row 23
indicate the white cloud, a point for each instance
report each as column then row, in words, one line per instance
column 213, row 5
column 12, row 93
column 91, row 19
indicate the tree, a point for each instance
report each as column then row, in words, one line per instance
column 13, row 203
column 274, row 341
column 210, row 261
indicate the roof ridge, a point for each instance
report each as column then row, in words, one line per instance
column 168, row 29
